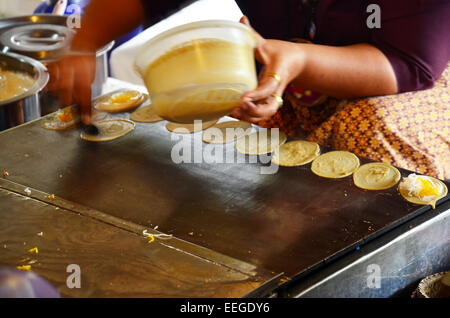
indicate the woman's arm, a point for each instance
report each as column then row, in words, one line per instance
column 106, row 20
column 344, row 72
column 103, row 21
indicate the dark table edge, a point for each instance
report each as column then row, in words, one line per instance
column 334, row 263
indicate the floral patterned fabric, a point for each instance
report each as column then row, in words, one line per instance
column 409, row 130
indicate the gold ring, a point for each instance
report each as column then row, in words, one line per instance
column 275, row 76
column 279, row 99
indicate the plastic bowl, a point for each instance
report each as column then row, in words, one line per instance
column 198, row 70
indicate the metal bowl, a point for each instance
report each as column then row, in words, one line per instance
column 432, row 287
column 26, row 106
column 46, row 37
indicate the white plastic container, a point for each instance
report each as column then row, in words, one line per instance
column 198, row 70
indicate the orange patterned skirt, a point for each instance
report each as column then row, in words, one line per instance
column 409, row 130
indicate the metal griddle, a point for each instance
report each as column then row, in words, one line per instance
column 289, row 222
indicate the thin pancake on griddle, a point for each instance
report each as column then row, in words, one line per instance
column 189, row 128
column 335, row 164
column 62, row 119
column 225, row 132
column 296, row 153
column 145, row 114
column 109, row 129
column 120, row 101
column 261, row 142
column 376, row 176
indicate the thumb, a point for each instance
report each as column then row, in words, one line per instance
column 85, row 74
column 244, row 20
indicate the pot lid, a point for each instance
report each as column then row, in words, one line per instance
column 39, row 41
column 44, row 37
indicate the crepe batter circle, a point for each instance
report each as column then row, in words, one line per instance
column 109, row 129
column 188, row 128
column 225, row 132
column 335, row 164
column 416, row 200
column 145, row 114
column 376, row 176
column 260, row 142
column 53, row 122
column 296, row 153
column 106, row 103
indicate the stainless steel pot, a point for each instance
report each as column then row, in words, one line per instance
column 45, row 37
column 24, row 107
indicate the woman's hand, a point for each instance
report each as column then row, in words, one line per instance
column 282, row 62
column 71, row 79
column 102, row 21
column 352, row 71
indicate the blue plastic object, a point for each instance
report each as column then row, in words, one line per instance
column 47, row 6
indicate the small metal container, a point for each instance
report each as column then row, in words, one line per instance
column 46, row 37
column 26, row 106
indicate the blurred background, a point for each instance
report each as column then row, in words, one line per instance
column 10, row 8
column 121, row 57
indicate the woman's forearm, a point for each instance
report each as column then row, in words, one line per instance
column 353, row 71
column 345, row 72
column 106, row 20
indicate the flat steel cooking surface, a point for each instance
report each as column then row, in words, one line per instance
column 113, row 262
column 284, row 222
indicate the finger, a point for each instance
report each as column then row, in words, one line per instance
column 61, row 82
column 238, row 113
column 59, row 71
column 266, row 86
column 250, row 119
column 66, row 83
column 245, row 20
column 254, row 113
column 83, row 81
column 264, row 110
column 53, row 70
